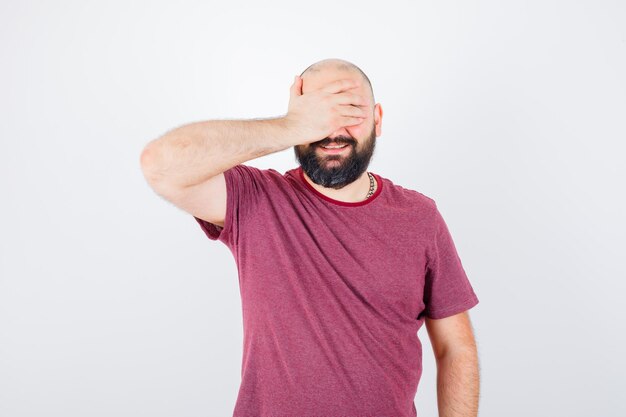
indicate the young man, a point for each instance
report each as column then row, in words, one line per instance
column 338, row 267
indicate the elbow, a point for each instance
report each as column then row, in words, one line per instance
column 146, row 157
column 148, row 163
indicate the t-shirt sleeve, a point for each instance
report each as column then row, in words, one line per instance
column 243, row 186
column 447, row 290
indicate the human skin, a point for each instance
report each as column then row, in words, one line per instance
column 454, row 347
column 182, row 164
column 328, row 72
column 194, row 153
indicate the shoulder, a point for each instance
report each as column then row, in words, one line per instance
column 259, row 184
column 253, row 174
column 252, row 170
column 408, row 196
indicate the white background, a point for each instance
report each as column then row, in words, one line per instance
column 511, row 115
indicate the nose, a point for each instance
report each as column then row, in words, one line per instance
column 341, row 132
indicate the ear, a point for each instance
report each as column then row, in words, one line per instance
column 378, row 119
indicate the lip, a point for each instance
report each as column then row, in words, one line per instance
column 333, row 151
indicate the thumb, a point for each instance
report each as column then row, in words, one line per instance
column 296, row 87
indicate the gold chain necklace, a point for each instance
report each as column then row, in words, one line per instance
column 371, row 191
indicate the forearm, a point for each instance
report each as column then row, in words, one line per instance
column 195, row 152
column 458, row 384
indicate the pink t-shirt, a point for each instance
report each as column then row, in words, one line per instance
column 334, row 293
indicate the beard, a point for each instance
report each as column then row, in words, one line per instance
column 335, row 170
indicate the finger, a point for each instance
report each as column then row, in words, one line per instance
column 299, row 87
column 351, row 98
column 352, row 111
column 296, row 87
column 351, row 121
column 340, row 85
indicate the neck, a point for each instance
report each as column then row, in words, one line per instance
column 351, row 193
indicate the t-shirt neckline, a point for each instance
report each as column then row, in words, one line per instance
column 379, row 188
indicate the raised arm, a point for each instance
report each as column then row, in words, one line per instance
column 186, row 164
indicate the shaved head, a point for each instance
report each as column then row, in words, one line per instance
column 336, row 169
column 336, row 64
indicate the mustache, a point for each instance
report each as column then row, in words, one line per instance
column 339, row 140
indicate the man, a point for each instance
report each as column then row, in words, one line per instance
column 338, row 267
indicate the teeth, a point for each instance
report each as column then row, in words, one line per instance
column 334, row 147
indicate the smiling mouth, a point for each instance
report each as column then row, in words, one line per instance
column 334, row 148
